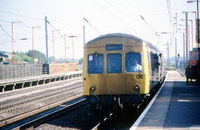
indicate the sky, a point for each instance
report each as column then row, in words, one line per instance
column 146, row 19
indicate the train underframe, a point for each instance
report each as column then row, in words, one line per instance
column 105, row 104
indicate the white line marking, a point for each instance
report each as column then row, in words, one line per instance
column 135, row 125
column 188, row 100
column 187, row 94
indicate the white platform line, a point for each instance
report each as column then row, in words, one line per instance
column 135, row 125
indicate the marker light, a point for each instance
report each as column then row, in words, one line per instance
column 92, row 88
column 137, row 87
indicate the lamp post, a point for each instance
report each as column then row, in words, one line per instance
column 183, row 33
column 33, row 41
column 192, row 40
column 12, row 45
column 195, row 19
column 197, row 25
column 83, row 35
column 65, row 47
column 188, row 45
column 72, row 36
column 187, row 39
column 53, row 45
column 194, row 12
column 168, row 54
column 12, row 42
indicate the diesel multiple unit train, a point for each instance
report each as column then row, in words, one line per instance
column 119, row 70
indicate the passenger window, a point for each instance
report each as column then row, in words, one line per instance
column 133, row 62
column 114, row 63
column 95, row 63
column 154, row 61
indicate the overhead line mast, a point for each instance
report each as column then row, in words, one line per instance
column 47, row 58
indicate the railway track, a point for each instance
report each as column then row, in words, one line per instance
column 79, row 119
column 30, row 102
column 37, row 119
column 9, row 95
column 125, row 119
column 33, row 118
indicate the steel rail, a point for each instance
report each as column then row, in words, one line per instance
column 36, row 111
column 19, row 104
column 49, row 116
column 96, row 127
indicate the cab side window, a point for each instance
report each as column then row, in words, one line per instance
column 95, row 63
column 114, row 63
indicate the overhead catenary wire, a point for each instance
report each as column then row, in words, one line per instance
column 55, row 29
column 120, row 11
column 59, row 32
column 31, row 18
column 20, row 15
column 27, row 26
column 92, row 25
column 15, row 40
column 115, row 16
column 5, row 21
column 169, row 12
column 156, row 33
column 79, row 41
column 151, row 27
column 23, row 25
column 7, row 33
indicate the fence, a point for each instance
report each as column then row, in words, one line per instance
column 62, row 68
column 17, row 71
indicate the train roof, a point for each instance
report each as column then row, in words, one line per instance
column 125, row 35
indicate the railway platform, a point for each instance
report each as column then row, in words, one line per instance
column 177, row 106
column 38, row 78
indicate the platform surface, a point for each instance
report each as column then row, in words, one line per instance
column 176, row 107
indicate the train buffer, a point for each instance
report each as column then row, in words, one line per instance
column 176, row 106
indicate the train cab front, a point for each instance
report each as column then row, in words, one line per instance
column 115, row 72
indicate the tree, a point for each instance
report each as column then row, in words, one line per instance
column 37, row 55
column 50, row 59
column 81, row 61
column 23, row 57
column 1, row 59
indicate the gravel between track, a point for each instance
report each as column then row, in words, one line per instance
column 13, row 102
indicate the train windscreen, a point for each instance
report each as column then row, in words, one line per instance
column 133, row 62
column 114, row 63
column 95, row 63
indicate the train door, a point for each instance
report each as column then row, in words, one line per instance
column 161, row 65
column 154, row 68
column 150, row 70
